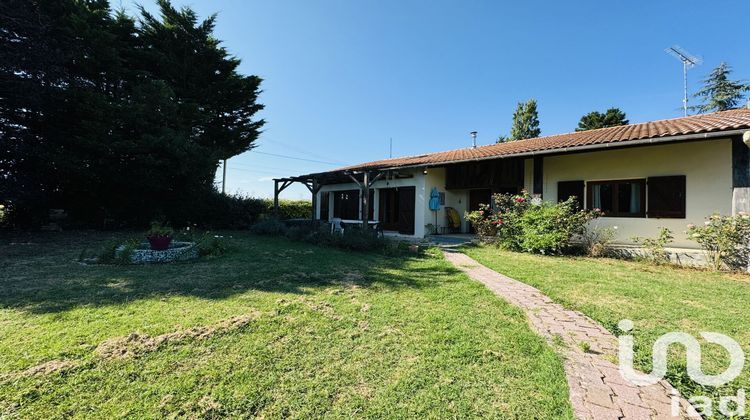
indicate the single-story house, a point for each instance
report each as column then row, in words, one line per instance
column 665, row 173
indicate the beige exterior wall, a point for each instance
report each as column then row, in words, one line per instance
column 706, row 164
column 528, row 175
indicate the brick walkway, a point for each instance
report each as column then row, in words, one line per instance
column 597, row 390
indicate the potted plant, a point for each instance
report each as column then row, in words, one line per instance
column 159, row 236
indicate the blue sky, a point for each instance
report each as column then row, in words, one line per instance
column 342, row 77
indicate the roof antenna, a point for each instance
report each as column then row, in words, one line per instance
column 473, row 139
column 688, row 62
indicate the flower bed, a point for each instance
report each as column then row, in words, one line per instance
column 143, row 254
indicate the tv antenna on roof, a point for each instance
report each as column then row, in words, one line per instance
column 688, row 62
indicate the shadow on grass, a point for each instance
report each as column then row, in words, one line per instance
column 40, row 272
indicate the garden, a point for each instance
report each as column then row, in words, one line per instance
column 271, row 328
column 523, row 223
column 558, row 249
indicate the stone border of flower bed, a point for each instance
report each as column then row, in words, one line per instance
column 177, row 251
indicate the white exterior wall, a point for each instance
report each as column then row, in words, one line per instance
column 458, row 199
column 707, row 166
column 420, row 196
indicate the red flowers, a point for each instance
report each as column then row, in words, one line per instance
column 520, row 199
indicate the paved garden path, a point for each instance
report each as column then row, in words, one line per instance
column 597, row 390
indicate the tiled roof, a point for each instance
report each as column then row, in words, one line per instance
column 696, row 124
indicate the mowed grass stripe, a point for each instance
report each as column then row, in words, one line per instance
column 341, row 334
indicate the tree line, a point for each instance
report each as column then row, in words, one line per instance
column 116, row 118
column 718, row 93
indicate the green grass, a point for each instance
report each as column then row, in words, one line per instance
column 332, row 334
column 658, row 299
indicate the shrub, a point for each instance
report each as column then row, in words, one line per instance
column 111, row 253
column 291, row 209
column 220, row 211
column 724, row 239
column 300, row 232
column 655, row 247
column 546, row 229
column 159, row 229
column 358, row 239
column 269, row 226
column 596, row 240
column 483, row 221
column 542, row 227
column 532, row 225
column 354, row 238
column 211, row 245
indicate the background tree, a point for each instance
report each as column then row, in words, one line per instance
column 593, row 120
column 525, row 121
column 114, row 120
column 719, row 93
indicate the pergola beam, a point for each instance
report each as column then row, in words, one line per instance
column 314, row 184
column 280, row 184
column 364, row 186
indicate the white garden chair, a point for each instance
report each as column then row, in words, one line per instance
column 337, row 226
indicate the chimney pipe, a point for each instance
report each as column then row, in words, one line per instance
column 473, row 139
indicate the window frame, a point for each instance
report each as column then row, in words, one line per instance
column 580, row 186
column 615, row 196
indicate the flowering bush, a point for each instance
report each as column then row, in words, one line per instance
column 725, row 240
column 484, row 221
column 654, row 248
column 521, row 223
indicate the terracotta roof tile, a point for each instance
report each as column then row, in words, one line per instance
column 696, row 124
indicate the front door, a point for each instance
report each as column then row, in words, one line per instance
column 396, row 209
column 477, row 197
column 388, row 208
column 406, row 196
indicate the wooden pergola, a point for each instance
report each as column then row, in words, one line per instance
column 314, row 182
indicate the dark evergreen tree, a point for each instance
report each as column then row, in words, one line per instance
column 113, row 120
column 719, row 93
column 593, row 120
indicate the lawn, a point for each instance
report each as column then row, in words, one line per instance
column 658, row 299
column 272, row 329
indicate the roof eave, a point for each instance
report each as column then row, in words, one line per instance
column 598, row 146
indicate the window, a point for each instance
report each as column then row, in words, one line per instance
column 626, row 198
column 666, row 197
column 346, row 204
column 567, row 189
column 371, row 205
column 324, row 203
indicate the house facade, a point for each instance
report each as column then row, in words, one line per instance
column 667, row 173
